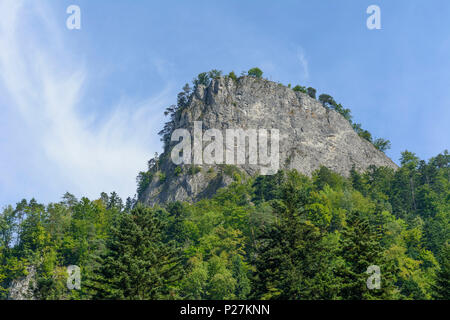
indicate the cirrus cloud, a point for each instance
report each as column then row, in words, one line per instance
column 49, row 143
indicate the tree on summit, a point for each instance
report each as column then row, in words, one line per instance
column 255, row 72
column 311, row 92
column 327, row 100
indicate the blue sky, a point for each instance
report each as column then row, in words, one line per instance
column 80, row 109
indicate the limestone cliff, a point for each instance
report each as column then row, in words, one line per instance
column 310, row 136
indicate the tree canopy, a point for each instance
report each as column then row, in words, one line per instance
column 286, row 236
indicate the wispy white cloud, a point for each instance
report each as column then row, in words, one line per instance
column 65, row 150
column 303, row 63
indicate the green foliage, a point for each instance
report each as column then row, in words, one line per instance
column 298, row 88
column 361, row 248
column 203, row 79
column 346, row 113
column 325, row 176
column 442, row 286
column 162, row 177
column 48, row 239
column 285, row 236
column 255, row 72
column 214, row 74
column 183, row 100
column 193, row 170
column 143, row 180
column 311, row 92
column 174, row 111
column 294, row 261
column 177, row 171
column 327, row 100
column 382, row 144
column 361, row 132
column 137, row 264
column 232, row 76
column 230, row 170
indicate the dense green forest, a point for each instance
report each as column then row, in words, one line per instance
column 286, row 236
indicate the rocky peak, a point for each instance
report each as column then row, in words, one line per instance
column 310, row 136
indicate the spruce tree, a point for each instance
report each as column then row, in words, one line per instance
column 294, row 260
column 442, row 286
column 360, row 249
column 138, row 265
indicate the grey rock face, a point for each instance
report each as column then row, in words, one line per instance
column 23, row 288
column 310, row 136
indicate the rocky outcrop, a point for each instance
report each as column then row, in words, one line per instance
column 23, row 288
column 310, row 136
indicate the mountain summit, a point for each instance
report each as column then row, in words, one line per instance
column 310, row 135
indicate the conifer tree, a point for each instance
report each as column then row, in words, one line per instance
column 361, row 248
column 138, row 265
column 442, row 286
column 294, row 261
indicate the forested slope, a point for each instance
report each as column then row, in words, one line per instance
column 285, row 236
